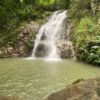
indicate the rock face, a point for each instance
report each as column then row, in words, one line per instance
column 23, row 39
column 66, row 49
column 79, row 90
column 65, row 45
column 42, row 49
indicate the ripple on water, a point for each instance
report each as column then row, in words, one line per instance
column 35, row 79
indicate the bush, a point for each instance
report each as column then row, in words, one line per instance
column 90, row 51
column 87, row 41
column 52, row 4
column 79, row 8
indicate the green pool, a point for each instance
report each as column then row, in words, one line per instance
column 35, row 79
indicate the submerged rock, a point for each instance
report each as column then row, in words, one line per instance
column 79, row 90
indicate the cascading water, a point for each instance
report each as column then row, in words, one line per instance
column 49, row 34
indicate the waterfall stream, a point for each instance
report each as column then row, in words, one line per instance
column 49, row 34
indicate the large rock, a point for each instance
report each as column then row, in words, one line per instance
column 66, row 49
column 79, row 90
column 41, row 50
column 65, row 45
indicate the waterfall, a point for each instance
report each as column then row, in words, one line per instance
column 49, row 34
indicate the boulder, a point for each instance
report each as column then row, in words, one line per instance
column 79, row 90
column 42, row 49
column 66, row 49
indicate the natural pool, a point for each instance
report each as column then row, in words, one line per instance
column 35, row 79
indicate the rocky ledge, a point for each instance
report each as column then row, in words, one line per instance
column 79, row 90
column 22, row 43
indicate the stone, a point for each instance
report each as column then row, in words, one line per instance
column 80, row 90
column 66, row 49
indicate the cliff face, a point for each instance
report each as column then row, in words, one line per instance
column 22, row 43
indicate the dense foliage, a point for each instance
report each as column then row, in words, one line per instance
column 79, row 8
column 12, row 12
column 87, row 41
column 85, row 15
column 53, row 4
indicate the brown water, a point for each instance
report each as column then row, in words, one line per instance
column 35, row 79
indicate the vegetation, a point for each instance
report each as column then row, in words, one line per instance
column 87, row 41
column 13, row 12
column 87, row 32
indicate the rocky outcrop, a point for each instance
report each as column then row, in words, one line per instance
column 79, row 90
column 65, row 45
column 66, row 49
column 24, row 40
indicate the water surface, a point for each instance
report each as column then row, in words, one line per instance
column 35, row 79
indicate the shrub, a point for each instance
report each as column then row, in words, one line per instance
column 87, row 41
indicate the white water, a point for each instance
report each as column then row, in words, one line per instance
column 51, row 31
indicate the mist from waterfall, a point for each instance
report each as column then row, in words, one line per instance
column 49, row 34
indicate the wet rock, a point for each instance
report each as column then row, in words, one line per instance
column 66, row 49
column 42, row 49
column 79, row 90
